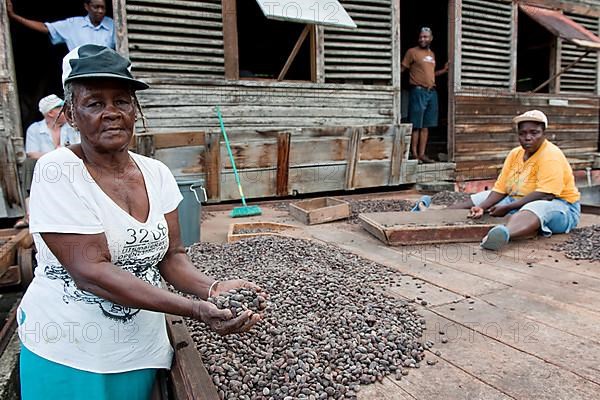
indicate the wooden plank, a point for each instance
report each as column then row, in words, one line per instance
column 541, row 340
column 547, row 312
column 168, row 140
column 8, row 251
column 190, row 380
column 294, row 52
column 319, row 54
column 352, row 157
column 465, row 347
column 283, row 163
column 408, row 260
column 397, row 154
column 230, row 39
column 315, row 179
column 145, row 145
column 212, row 161
column 120, row 21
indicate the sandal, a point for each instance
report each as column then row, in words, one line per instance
column 22, row 223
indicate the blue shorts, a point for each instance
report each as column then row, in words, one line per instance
column 556, row 216
column 423, row 107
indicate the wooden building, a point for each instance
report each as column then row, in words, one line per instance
column 314, row 107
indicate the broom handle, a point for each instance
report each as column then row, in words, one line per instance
column 235, row 172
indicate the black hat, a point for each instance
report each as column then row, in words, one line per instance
column 93, row 61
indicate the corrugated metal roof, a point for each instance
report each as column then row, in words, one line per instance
column 562, row 26
column 318, row 12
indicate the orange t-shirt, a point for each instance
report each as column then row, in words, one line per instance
column 546, row 171
column 421, row 65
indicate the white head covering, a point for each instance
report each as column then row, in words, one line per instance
column 49, row 103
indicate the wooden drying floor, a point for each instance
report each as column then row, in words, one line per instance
column 522, row 324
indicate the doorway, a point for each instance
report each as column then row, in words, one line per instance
column 38, row 63
column 433, row 14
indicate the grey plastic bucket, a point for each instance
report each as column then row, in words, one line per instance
column 189, row 209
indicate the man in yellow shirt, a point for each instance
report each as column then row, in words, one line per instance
column 536, row 187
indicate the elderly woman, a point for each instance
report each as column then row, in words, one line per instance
column 105, row 225
column 536, row 187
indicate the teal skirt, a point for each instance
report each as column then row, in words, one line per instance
column 44, row 379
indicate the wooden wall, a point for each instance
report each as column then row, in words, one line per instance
column 484, row 133
column 188, row 105
column 284, row 162
column 11, row 200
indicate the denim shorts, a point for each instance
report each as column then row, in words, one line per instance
column 423, row 107
column 556, row 216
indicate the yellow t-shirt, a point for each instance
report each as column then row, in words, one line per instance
column 546, row 171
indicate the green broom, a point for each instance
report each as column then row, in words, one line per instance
column 245, row 210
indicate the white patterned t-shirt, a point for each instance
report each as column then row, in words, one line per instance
column 62, row 323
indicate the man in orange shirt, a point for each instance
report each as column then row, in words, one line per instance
column 536, row 187
column 423, row 100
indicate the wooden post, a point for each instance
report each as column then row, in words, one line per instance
column 294, row 52
column 230, row 39
column 513, row 47
column 396, row 63
column 9, row 102
column 555, row 60
column 313, row 53
column 353, row 156
column 212, row 161
column 397, row 156
column 190, row 379
column 145, row 145
column 320, row 54
column 283, row 162
column 120, row 19
column 453, row 56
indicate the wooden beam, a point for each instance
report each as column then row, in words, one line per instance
column 145, row 145
column 230, row 39
column 294, row 52
column 190, row 379
column 513, row 48
column 396, row 158
column 213, row 165
column 352, row 156
column 320, row 53
column 453, row 68
column 283, row 162
column 120, row 19
column 170, row 140
column 396, row 63
column 456, row 17
column 555, row 60
column 313, row 53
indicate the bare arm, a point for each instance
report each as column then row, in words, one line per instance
column 492, row 199
column 533, row 196
column 29, row 23
column 177, row 268
column 87, row 260
column 443, row 70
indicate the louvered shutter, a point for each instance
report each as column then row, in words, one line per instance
column 583, row 76
column 486, row 39
column 366, row 52
column 176, row 38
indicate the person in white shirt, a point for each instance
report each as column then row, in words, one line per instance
column 105, row 223
column 42, row 137
column 94, row 28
